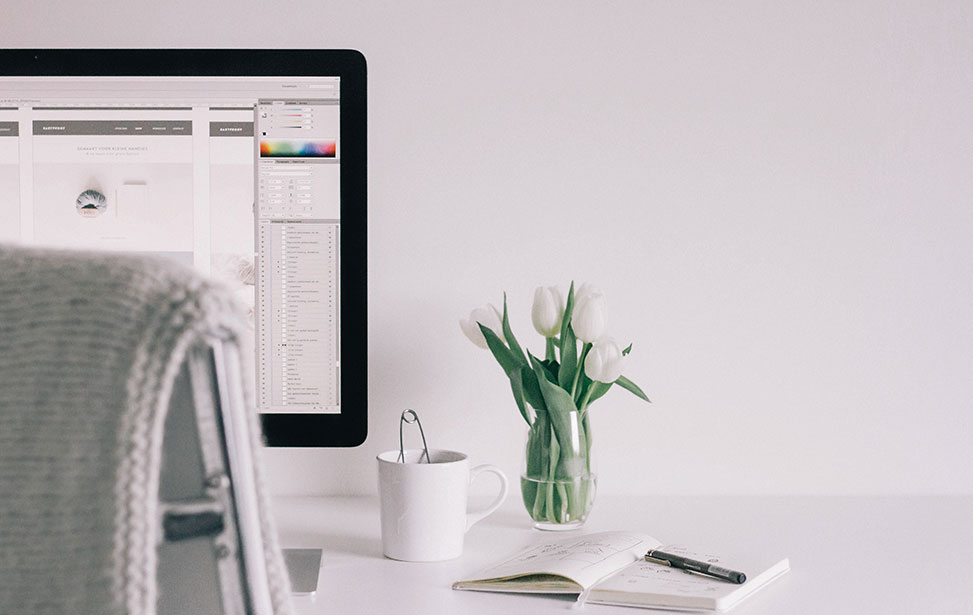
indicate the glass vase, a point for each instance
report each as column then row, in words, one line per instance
column 557, row 478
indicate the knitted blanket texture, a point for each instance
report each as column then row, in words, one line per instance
column 90, row 345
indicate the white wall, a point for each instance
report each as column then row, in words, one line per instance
column 776, row 198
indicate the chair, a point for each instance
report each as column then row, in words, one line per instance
column 128, row 482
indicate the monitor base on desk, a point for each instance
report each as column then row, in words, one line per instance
column 303, row 567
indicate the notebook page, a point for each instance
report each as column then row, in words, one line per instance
column 584, row 559
column 649, row 583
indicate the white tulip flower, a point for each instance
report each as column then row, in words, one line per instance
column 548, row 310
column 585, row 289
column 590, row 315
column 605, row 361
column 489, row 317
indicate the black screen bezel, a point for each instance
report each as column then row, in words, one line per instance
column 350, row 427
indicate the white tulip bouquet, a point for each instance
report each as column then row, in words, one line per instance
column 554, row 394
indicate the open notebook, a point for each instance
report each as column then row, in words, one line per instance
column 608, row 567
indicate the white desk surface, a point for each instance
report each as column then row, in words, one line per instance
column 889, row 555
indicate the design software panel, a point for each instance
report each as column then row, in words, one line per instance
column 238, row 177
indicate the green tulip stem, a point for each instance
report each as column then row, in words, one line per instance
column 555, row 450
column 577, row 372
column 557, row 482
column 550, row 349
column 587, row 441
column 583, row 406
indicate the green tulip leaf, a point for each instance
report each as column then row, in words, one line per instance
column 571, row 442
column 553, row 368
column 542, row 368
column 627, row 350
column 628, row 385
column 515, row 349
column 501, row 353
column 517, row 387
column 538, row 448
column 532, row 391
column 598, row 389
column 566, row 319
column 569, row 359
column 557, row 399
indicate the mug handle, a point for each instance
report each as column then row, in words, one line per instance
column 475, row 516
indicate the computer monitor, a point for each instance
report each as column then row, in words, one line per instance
column 247, row 164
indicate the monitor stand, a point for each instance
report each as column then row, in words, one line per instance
column 303, row 567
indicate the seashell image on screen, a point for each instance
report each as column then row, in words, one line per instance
column 91, row 204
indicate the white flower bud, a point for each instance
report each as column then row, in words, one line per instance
column 605, row 361
column 548, row 310
column 489, row 317
column 590, row 315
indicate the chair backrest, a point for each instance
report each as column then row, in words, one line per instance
column 127, row 436
column 210, row 561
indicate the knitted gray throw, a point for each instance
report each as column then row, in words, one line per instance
column 90, row 345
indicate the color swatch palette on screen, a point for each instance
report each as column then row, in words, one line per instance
column 297, row 148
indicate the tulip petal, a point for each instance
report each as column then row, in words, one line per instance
column 594, row 363
column 472, row 333
column 590, row 317
column 547, row 310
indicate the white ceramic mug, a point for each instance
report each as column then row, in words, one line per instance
column 424, row 516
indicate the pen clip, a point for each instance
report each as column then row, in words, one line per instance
column 656, row 560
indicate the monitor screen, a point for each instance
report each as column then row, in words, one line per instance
column 248, row 165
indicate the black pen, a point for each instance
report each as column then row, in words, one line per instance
column 685, row 563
